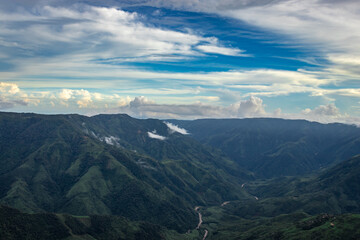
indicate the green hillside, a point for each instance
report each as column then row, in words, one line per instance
column 61, row 163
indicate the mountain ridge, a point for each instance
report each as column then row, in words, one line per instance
column 277, row 147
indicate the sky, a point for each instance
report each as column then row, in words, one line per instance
column 295, row 59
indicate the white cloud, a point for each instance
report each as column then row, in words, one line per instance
column 328, row 113
column 222, row 50
column 66, row 94
column 12, row 96
column 176, row 128
column 252, row 107
column 329, row 110
column 83, row 97
column 10, row 88
column 139, row 101
column 101, row 34
column 305, row 20
column 156, row 136
column 112, row 140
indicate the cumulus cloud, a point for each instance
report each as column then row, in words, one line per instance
column 328, row 113
column 140, row 101
column 156, row 136
column 84, row 97
column 329, row 110
column 11, row 96
column 10, row 88
column 66, row 94
column 176, row 128
column 252, row 107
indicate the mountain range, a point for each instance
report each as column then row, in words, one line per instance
column 149, row 175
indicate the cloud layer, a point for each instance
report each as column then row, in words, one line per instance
column 91, row 103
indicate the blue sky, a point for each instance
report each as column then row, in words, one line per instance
column 182, row 59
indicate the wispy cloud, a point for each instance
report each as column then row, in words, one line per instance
column 176, row 128
column 154, row 135
column 103, row 34
column 222, row 50
column 330, row 27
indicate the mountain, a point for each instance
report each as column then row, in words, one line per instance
column 110, row 165
column 340, row 187
column 277, row 147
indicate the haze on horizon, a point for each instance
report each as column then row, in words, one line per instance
column 182, row 59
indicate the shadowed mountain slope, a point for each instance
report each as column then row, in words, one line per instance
column 277, row 147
